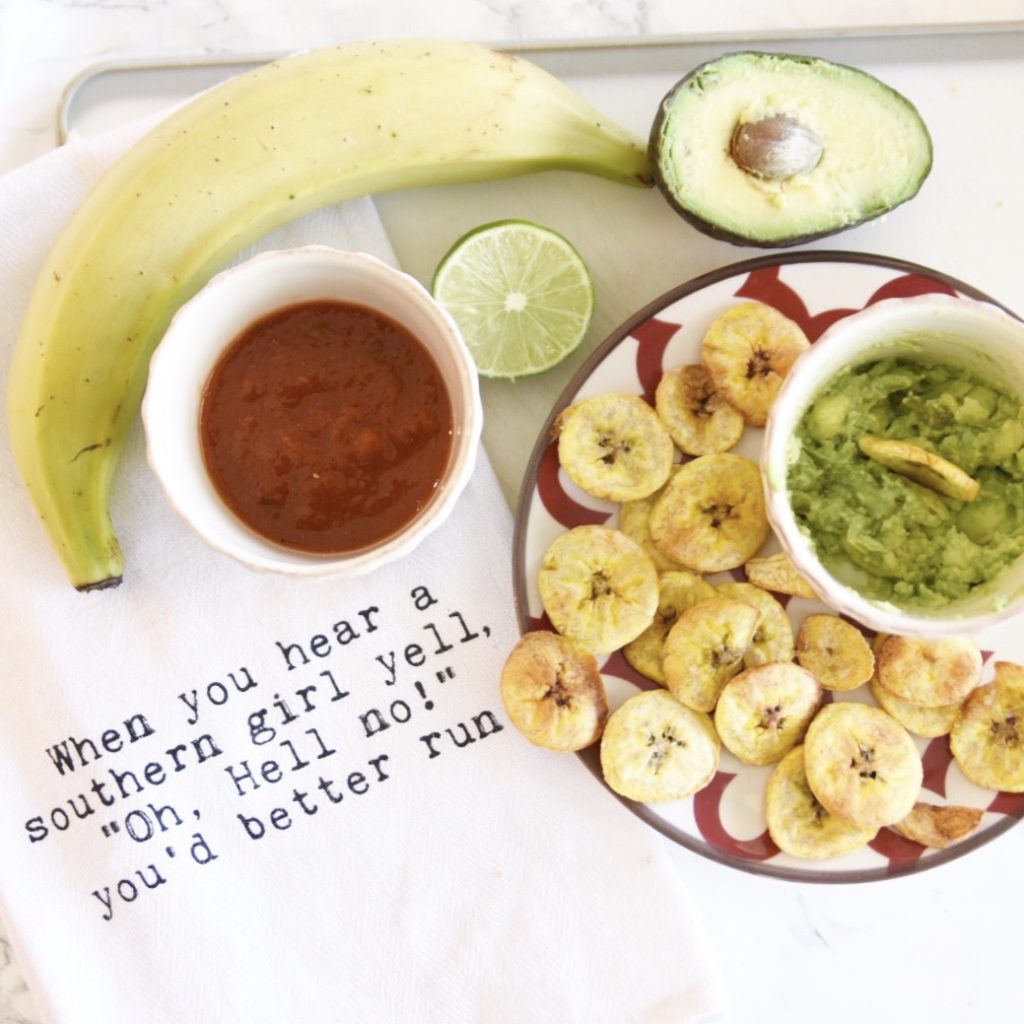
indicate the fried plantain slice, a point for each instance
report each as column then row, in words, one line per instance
column 862, row 764
column 773, row 639
column 678, row 590
column 799, row 824
column 699, row 419
column 764, row 712
column 927, row 722
column 705, row 649
column 614, row 446
column 598, row 587
column 835, row 652
column 711, row 516
column 748, row 352
column 987, row 739
column 921, row 466
column 778, row 574
column 654, row 749
column 634, row 521
column 937, row 826
column 553, row 692
column 931, row 673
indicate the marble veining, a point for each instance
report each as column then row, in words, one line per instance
column 16, row 1005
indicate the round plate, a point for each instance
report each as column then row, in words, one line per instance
column 725, row 821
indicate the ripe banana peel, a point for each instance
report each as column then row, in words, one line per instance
column 241, row 159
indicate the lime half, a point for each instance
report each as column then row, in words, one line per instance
column 520, row 293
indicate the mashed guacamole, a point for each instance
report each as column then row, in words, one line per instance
column 888, row 537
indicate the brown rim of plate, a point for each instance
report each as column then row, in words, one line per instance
column 590, row 756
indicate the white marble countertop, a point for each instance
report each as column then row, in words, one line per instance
column 940, row 946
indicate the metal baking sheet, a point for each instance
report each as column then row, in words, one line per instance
column 967, row 221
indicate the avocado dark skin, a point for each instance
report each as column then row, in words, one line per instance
column 666, row 129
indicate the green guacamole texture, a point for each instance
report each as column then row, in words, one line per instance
column 887, row 537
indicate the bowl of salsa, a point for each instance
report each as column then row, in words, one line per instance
column 313, row 411
column 894, row 465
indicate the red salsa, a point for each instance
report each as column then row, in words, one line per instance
column 326, row 427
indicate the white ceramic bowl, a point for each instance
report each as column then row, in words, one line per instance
column 233, row 300
column 976, row 335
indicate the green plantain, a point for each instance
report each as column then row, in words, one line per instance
column 231, row 165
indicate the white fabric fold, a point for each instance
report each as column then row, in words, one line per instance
column 223, row 796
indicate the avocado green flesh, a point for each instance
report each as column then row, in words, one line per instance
column 877, row 150
column 886, row 536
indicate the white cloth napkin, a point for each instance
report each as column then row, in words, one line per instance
column 189, row 831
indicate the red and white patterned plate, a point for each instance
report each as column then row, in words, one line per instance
column 726, row 820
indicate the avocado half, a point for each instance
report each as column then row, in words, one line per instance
column 772, row 150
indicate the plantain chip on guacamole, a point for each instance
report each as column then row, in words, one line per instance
column 879, row 531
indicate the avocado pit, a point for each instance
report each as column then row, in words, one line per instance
column 775, row 148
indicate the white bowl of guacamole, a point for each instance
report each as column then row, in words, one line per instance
column 944, row 378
